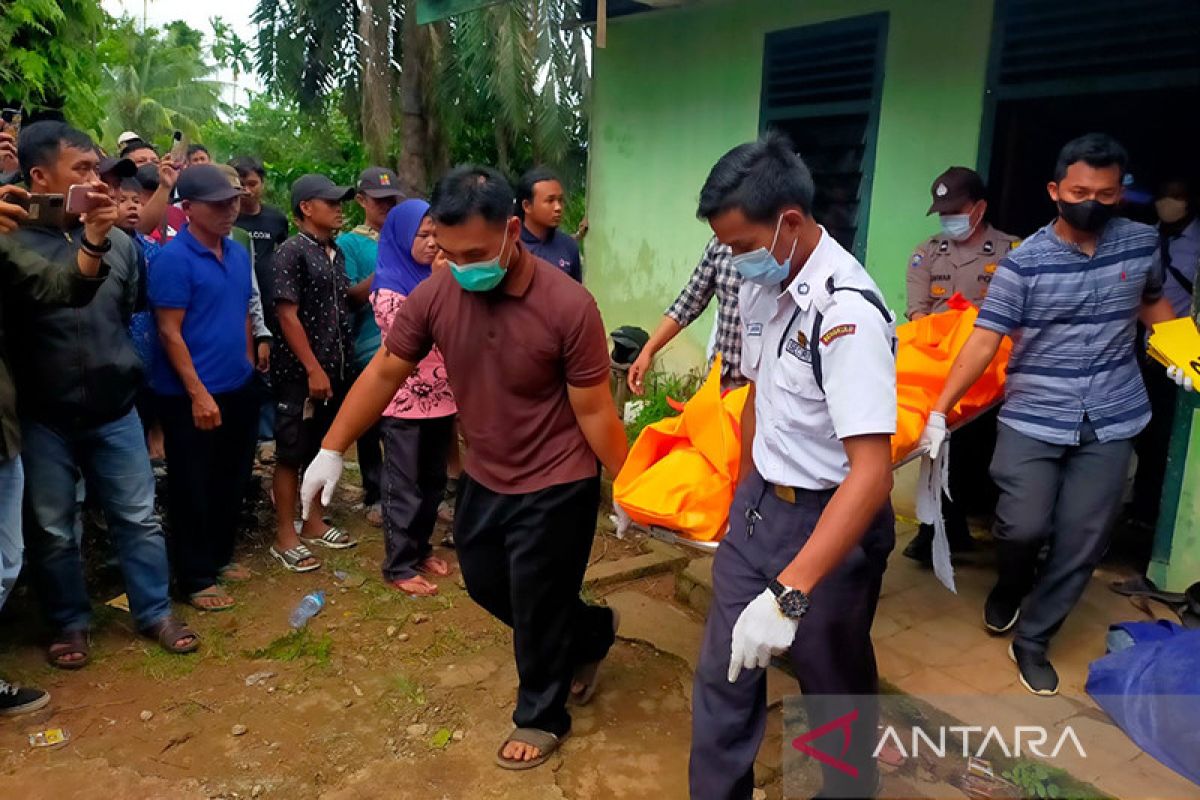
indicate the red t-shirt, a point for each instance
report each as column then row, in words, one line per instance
column 510, row 355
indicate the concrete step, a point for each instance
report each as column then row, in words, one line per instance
column 693, row 584
column 658, row 557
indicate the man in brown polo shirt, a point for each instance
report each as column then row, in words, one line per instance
column 527, row 360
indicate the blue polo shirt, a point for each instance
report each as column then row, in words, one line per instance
column 557, row 250
column 215, row 296
column 1072, row 318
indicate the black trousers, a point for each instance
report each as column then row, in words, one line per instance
column 831, row 655
column 523, row 557
column 414, row 483
column 207, row 473
column 1152, row 443
column 370, row 463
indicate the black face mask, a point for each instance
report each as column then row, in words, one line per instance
column 1089, row 215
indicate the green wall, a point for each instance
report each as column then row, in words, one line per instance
column 676, row 89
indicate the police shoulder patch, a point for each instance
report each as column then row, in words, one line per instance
column 916, row 260
column 837, row 332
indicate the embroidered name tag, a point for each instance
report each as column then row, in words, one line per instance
column 754, row 329
column 837, row 332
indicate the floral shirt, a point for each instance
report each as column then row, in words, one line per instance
column 426, row 394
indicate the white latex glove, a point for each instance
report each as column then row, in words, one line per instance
column 1181, row 378
column 934, row 434
column 321, row 477
column 760, row 632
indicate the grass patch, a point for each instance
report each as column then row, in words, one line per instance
column 159, row 665
column 297, row 645
column 407, row 690
column 660, row 386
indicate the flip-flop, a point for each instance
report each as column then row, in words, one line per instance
column 413, row 589
column 169, row 630
column 589, row 674
column 211, row 593
column 292, row 557
column 442, row 571
column 234, row 573
column 69, row 643
column 547, row 743
column 334, row 538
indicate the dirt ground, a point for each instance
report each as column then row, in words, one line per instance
column 382, row 696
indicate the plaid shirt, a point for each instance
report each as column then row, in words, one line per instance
column 715, row 273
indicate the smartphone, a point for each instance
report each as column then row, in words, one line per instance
column 179, row 146
column 45, row 210
column 12, row 120
column 78, row 201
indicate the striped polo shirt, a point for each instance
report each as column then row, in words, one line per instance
column 1072, row 319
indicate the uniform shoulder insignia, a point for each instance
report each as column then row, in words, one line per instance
column 917, row 258
column 988, row 248
column 837, row 332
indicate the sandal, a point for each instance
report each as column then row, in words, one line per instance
column 69, row 643
column 333, row 537
column 168, row 631
column 432, row 565
column 224, row 598
column 544, row 741
column 416, row 586
column 589, row 674
column 292, row 557
column 234, row 572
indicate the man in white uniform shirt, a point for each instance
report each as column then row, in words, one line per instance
column 811, row 526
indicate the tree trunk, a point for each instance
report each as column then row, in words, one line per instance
column 414, row 126
column 374, row 29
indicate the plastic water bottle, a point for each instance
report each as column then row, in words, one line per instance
column 309, row 607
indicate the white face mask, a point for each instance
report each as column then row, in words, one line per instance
column 1170, row 209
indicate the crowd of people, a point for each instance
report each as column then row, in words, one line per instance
column 174, row 321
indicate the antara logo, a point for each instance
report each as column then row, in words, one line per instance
column 1024, row 739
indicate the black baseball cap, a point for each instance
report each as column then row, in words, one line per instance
column 954, row 188
column 116, row 167
column 204, row 183
column 318, row 187
column 379, row 182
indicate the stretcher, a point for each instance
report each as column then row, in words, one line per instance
column 679, row 478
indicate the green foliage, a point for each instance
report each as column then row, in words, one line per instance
column 660, row 386
column 1035, row 780
column 440, row 739
column 49, row 58
column 291, row 143
column 301, row 644
column 157, row 81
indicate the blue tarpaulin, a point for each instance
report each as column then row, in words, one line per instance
column 1152, row 692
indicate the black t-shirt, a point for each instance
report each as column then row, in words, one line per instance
column 268, row 229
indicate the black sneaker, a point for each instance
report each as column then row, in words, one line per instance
column 20, row 700
column 921, row 547
column 1000, row 613
column 1037, row 673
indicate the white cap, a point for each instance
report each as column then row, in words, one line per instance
column 127, row 136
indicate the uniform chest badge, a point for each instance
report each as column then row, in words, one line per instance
column 937, row 291
column 798, row 350
column 988, row 248
column 989, row 269
column 754, row 329
column 801, row 339
column 1014, row 244
column 944, row 247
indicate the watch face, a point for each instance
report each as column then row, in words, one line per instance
column 793, row 603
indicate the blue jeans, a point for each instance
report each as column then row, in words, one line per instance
column 112, row 458
column 11, row 481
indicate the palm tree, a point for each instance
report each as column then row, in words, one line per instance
column 162, row 84
column 230, row 51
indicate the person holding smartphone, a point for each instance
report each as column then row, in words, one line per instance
column 78, row 375
column 32, row 279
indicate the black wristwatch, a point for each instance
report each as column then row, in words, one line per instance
column 792, row 603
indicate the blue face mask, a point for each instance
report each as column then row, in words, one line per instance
column 956, row 226
column 759, row 266
column 481, row 276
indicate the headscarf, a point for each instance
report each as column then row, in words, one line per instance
column 396, row 269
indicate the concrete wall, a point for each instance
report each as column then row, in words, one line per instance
column 676, row 89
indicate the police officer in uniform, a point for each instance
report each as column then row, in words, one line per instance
column 960, row 259
column 811, row 525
